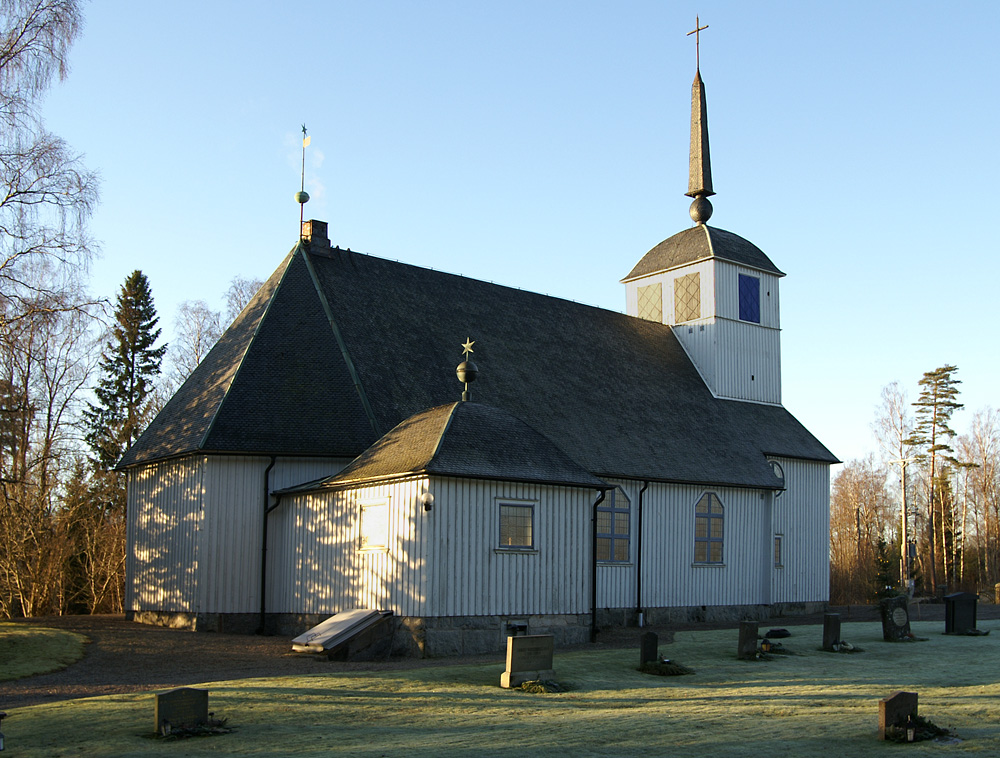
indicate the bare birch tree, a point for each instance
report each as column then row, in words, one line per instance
column 46, row 195
column 241, row 291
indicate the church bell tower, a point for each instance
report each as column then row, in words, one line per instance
column 716, row 290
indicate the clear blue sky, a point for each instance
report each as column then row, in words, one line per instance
column 544, row 145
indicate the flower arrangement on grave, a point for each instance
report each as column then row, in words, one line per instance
column 916, row 729
column 664, row 667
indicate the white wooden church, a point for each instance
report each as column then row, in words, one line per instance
column 608, row 468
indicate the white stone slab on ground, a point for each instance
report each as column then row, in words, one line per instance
column 335, row 630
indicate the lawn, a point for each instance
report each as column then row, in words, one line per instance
column 808, row 704
column 29, row 650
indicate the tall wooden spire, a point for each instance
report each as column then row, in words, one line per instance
column 700, row 166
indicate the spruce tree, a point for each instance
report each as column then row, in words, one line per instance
column 937, row 402
column 129, row 365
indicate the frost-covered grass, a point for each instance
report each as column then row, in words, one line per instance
column 808, row 704
column 29, row 650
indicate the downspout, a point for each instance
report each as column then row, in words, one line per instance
column 638, row 560
column 593, row 568
column 263, row 547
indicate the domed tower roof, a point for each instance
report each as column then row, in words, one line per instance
column 700, row 243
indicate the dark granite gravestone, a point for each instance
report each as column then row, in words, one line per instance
column 747, row 650
column 960, row 613
column 183, row 707
column 895, row 711
column 895, row 619
column 528, row 658
column 649, row 648
column 831, row 631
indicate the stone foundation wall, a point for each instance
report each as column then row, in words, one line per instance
column 223, row 623
column 470, row 635
column 715, row 614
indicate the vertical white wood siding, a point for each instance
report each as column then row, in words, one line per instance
column 706, row 272
column 445, row 562
column 670, row 577
column 802, row 517
column 194, row 532
column 317, row 564
column 728, row 295
column 163, row 532
column 616, row 581
column 472, row 576
column 736, row 359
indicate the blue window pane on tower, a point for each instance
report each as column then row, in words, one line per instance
column 749, row 298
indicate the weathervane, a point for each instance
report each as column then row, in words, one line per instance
column 698, row 28
column 467, row 370
column 302, row 197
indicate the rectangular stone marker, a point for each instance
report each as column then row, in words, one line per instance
column 183, row 707
column 896, row 710
column 649, row 648
column 748, row 641
column 831, row 630
column 528, row 658
column 960, row 612
column 895, row 619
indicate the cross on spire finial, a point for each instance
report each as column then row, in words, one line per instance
column 698, row 28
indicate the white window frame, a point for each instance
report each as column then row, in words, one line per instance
column 708, row 540
column 501, row 503
column 616, row 502
column 370, row 519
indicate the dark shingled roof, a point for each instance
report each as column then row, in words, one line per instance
column 618, row 394
column 463, row 439
column 701, row 243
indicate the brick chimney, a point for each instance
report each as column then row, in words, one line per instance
column 314, row 232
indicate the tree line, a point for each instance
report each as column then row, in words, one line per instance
column 923, row 515
column 80, row 378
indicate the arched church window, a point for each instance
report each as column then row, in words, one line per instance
column 708, row 531
column 613, row 527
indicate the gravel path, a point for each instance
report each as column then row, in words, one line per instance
column 124, row 656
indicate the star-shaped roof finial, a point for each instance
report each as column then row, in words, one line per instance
column 467, row 346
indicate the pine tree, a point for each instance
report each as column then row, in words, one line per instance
column 935, row 406
column 129, row 365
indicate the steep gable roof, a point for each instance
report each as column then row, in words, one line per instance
column 701, row 243
column 618, row 394
column 462, row 439
column 275, row 383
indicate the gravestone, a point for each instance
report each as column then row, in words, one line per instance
column 649, row 648
column 896, row 710
column 960, row 613
column 895, row 619
column 831, row 630
column 748, row 641
column 183, row 707
column 528, row 658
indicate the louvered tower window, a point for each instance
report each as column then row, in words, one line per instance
column 749, row 298
column 687, row 297
column 651, row 302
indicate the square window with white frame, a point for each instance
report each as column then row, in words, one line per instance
column 517, row 526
